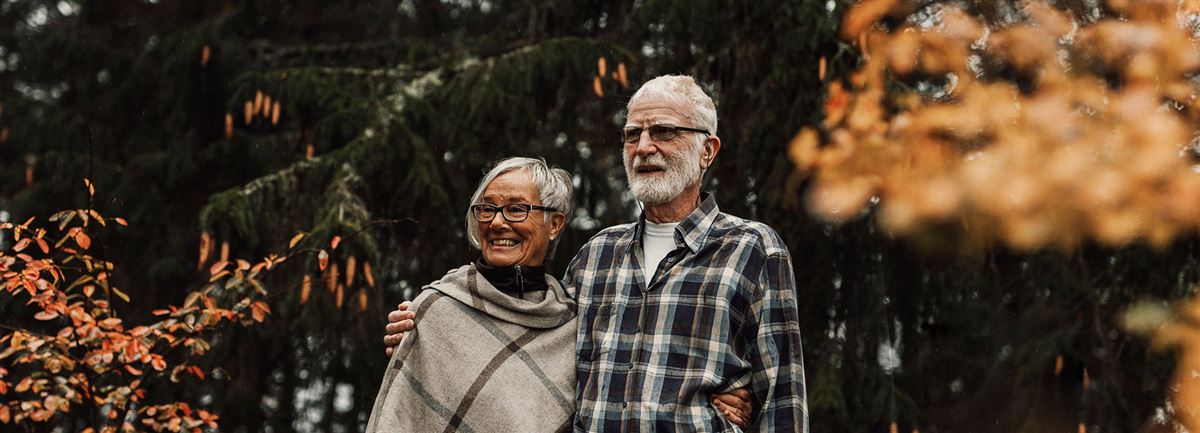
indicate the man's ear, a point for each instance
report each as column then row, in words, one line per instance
column 712, row 145
column 557, row 223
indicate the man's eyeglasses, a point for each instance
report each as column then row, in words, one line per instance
column 663, row 132
column 515, row 212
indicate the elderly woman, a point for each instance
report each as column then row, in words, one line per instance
column 495, row 351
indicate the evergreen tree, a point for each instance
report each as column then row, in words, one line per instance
column 390, row 111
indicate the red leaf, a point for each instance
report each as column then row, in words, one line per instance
column 322, row 259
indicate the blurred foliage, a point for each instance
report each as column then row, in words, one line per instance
column 1043, row 131
column 1032, row 126
column 390, row 111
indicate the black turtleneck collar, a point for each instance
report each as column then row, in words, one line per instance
column 513, row 280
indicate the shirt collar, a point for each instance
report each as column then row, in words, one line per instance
column 693, row 230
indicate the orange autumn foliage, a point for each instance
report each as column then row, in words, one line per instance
column 1048, row 132
column 79, row 357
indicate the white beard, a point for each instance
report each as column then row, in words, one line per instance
column 678, row 174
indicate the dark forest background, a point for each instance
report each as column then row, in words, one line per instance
column 390, row 111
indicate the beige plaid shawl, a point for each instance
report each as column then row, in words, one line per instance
column 481, row 361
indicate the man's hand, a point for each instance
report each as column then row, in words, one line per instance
column 399, row 322
column 736, row 406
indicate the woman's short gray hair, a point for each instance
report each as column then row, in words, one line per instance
column 554, row 189
column 680, row 90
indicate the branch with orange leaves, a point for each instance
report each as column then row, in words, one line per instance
column 76, row 352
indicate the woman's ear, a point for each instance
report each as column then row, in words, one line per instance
column 558, row 222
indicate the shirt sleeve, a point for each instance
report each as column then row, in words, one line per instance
column 777, row 360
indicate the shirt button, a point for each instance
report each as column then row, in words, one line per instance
column 624, row 405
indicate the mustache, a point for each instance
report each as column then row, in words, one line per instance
column 654, row 159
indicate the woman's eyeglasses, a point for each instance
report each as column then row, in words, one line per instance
column 515, row 212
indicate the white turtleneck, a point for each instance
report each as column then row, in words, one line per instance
column 658, row 240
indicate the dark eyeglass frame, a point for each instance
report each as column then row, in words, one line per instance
column 659, row 132
column 478, row 210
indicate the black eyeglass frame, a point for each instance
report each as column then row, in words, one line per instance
column 633, row 134
column 477, row 210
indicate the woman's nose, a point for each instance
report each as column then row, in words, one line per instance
column 500, row 223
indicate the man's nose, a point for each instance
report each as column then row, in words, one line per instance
column 645, row 145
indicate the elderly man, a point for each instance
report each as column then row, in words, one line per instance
column 686, row 302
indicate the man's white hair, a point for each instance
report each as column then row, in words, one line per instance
column 554, row 189
column 680, row 90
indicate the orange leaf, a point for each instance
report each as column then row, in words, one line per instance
column 121, row 221
column 42, row 245
column 88, row 183
column 83, row 240
column 362, row 299
column 305, row 288
column 368, row 275
column 217, row 267
column 322, row 260
column 333, row 244
column 45, row 315
column 205, row 54
column 295, row 240
column 22, row 244
column 132, row 370
column 205, row 246
column 597, row 88
column 161, row 312
column 120, row 294
column 97, row 216
column 158, row 364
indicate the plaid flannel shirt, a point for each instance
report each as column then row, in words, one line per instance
column 719, row 314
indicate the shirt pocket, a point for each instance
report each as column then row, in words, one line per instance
column 599, row 320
